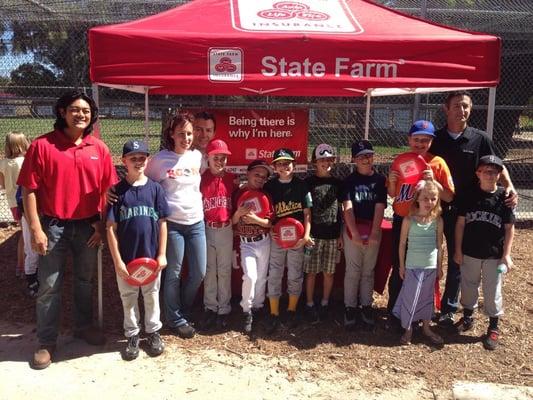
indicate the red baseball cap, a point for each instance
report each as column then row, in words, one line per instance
column 217, row 146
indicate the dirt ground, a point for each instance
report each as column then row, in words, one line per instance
column 325, row 354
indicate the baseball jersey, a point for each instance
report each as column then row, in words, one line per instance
column 365, row 191
column 216, row 195
column 290, row 198
column 325, row 213
column 405, row 192
column 485, row 217
column 136, row 214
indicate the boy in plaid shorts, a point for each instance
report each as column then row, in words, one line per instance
column 325, row 230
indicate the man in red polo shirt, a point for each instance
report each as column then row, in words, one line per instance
column 64, row 176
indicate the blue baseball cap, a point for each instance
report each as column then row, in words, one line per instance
column 422, row 127
column 135, row 146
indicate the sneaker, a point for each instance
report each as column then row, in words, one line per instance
column 350, row 318
column 311, row 315
column 209, row 321
column 292, row 319
column 490, row 342
column 367, row 315
column 464, row 324
column 185, row 331
column 272, row 324
column 323, row 312
column 42, row 358
column 155, row 344
column 222, row 322
column 33, row 285
column 248, row 321
column 131, row 352
column 447, row 319
column 91, row 335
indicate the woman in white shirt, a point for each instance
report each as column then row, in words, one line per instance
column 177, row 169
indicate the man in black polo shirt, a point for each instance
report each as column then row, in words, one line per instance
column 461, row 147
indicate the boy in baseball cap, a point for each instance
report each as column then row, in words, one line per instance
column 217, row 186
column 325, row 192
column 137, row 227
column 254, row 240
column 364, row 201
column 291, row 198
column 483, row 239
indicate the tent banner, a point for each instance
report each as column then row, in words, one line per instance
column 252, row 134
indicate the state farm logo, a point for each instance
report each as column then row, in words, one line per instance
column 250, row 154
column 408, row 169
column 332, row 16
column 292, row 9
column 225, row 65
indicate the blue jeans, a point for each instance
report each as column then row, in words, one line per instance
column 189, row 240
column 64, row 235
column 450, row 297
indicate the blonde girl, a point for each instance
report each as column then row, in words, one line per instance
column 15, row 148
column 420, row 253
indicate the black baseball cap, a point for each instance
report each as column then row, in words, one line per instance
column 259, row 164
column 491, row 160
column 362, row 147
column 135, row 146
column 283, row 154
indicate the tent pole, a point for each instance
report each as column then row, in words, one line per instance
column 490, row 111
column 146, row 116
column 96, row 98
column 367, row 116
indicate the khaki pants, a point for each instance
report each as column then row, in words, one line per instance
column 474, row 271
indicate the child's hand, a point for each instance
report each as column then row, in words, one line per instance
column 393, row 176
column 243, row 210
column 374, row 237
column 96, row 238
column 161, row 262
column 250, row 218
column 39, row 242
column 507, row 260
column 511, row 198
column 356, row 239
column 121, row 270
column 458, row 257
column 402, row 272
column 428, row 174
column 340, row 243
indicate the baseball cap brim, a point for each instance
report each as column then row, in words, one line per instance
column 423, row 133
column 365, row 151
column 282, row 158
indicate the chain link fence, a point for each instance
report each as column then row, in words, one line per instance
column 43, row 52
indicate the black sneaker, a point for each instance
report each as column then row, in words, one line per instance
column 465, row 324
column 350, row 318
column 272, row 324
column 367, row 315
column 490, row 342
column 155, row 344
column 323, row 312
column 131, row 352
column 185, row 331
column 222, row 322
column 311, row 315
column 248, row 321
column 209, row 320
column 292, row 319
column 447, row 319
column 33, row 288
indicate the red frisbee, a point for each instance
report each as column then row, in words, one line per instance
column 289, row 231
column 257, row 200
column 142, row 271
column 410, row 167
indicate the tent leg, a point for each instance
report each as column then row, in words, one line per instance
column 146, row 117
column 490, row 111
column 96, row 98
column 367, row 116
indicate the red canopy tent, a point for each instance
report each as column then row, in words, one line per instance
column 289, row 48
